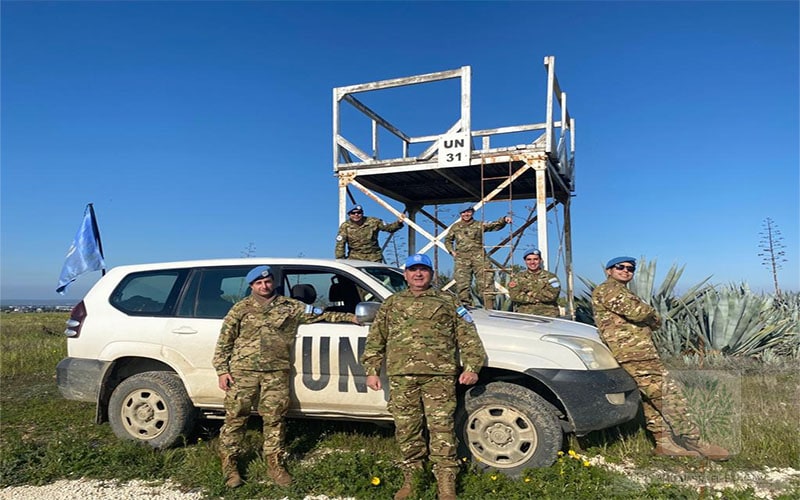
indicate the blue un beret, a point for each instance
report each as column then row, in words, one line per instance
column 257, row 273
column 466, row 207
column 354, row 208
column 619, row 260
column 534, row 251
column 419, row 259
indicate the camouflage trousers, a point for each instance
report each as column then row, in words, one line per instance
column 376, row 256
column 269, row 393
column 665, row 407
column 465, row 268
column 420, row 402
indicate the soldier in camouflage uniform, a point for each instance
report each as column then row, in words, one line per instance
column 535, row 291
column 253, row 358
column 420, row 334
column 464, row 241
column 626, row 325
column 360, row 236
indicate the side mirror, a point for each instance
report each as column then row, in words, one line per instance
column 366, row 311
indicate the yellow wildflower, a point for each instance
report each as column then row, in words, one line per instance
column 527, row 480
column 375, row 481
column 586, row 463
column 560, row 453
column 572, row 453
column 493, row 477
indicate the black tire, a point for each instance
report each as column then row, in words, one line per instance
column 509, row 428
column 151, row 407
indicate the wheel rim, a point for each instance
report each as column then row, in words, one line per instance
column 144, row 414
column 501, row 437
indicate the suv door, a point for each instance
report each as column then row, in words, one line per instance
column 327, row 377
column 190, row 336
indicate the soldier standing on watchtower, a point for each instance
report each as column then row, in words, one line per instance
column 464, row 241
column 360, row 235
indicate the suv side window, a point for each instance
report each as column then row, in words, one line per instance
column 331, row 291
column 150, row 293
column 212, row 292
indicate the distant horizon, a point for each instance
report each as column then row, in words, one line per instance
column 39, row 302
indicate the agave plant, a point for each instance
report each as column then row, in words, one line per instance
column 735, row 321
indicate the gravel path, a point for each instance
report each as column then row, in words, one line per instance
column 108, row 490
column 83, row 489
column 767, row 484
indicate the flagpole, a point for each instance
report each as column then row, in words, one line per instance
column 96, row 231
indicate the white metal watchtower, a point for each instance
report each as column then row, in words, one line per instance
column 461, row 165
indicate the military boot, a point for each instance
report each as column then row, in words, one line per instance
column 445, row 484
column 667, row 446
column 409, row 476
column 708, row 450
column 276, row 472
column 230, row 471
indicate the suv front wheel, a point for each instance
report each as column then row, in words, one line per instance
column 151, row 407
column 509, row 428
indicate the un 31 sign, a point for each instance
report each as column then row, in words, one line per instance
column 454, row 149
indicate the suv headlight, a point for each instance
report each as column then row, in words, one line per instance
column 593, row 354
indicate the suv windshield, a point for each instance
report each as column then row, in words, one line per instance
column 390, row 277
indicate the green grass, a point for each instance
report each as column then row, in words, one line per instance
column 44, row 438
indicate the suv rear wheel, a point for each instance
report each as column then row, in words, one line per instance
column 151, row 407
column 509, row 428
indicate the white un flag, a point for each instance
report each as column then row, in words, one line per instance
column 85, row 254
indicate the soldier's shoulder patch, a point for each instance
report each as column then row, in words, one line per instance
column 464, row 314
column 554, row 282
column 310, row 309
column 339, row 237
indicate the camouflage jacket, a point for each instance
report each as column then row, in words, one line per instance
column 535, row 292
column 625, row 321
column 362, row 240
column 259, row 337
column 424, row 335
column 467, row 237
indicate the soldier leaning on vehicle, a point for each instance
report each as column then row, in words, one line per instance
column 253, row 359
column 626, row 325
column 417, row 333
column 359, row 236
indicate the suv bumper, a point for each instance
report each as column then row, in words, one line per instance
column 583, row 394
column 78, row 379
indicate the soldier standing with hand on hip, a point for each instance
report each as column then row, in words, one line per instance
column 626, row 325
column 464, row 241
column 253, row 358
column 421, row 333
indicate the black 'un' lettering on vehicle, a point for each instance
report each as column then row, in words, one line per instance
column 348, row 363
column 324, row 363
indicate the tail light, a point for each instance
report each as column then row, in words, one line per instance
column 75, row 321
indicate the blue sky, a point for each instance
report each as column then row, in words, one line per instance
column 199, row 128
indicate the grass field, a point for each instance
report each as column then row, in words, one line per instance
column 44, row 438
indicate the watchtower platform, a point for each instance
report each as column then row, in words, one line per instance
column 462, row 165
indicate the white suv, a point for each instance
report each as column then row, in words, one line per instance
column 140, row 346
